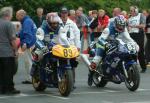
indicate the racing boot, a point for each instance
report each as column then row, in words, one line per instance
column 91, row 71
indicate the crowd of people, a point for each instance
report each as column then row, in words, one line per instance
column 97, row 21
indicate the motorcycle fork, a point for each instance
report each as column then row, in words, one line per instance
column 124, row 70
column 60, row 70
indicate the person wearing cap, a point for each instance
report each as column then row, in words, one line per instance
column 68, row 26
column 71, row 33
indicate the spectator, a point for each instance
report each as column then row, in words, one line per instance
column 94, row 13
column 80, row 9
column 145, row 12
column 103, row 20
column 124, row 13
column 82, row 23
column 147, row 31
column 8, row 50
column 72, row 15
column 81, row 19
column 90, row 15
column 116, row 12
column 27, row 39
column 73, row 29
column 136, row 25
column 72, row 36
column 39, row 18
column 94, row 22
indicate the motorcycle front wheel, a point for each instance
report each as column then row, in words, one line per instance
column 133, row 80
column 65, row 86
column 98, row 80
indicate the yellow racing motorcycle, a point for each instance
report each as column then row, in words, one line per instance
column 52, row 68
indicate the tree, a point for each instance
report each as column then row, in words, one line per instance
column 54, row 5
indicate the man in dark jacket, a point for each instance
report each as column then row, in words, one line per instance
column 38, row 19
column 147, row 32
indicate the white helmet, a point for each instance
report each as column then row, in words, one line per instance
column 53, row 17
column 40, row 34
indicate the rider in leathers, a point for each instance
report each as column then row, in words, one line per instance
column 116, row 29
column 49, row 28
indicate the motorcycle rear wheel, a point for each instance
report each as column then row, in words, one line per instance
column 36, row 82
column 133, row 80
column 65, row 86
column 38, row 85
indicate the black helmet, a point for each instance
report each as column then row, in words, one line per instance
column 120, row 23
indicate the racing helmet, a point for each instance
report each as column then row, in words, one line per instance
column 120, row 23
column 53, row 20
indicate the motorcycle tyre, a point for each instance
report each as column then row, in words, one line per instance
column 65, row 86
column 97, row 82
column 135, row 76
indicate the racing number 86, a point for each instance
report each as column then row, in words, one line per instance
column 67, row 53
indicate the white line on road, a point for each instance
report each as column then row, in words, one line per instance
column 65, row 98
column 106, row 91
column 106, row 102
column 140, row 89
column 20, row 95
column 58, row 97
column 31, row 95
column 138, row 102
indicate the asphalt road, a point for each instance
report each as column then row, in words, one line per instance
column 112, row 93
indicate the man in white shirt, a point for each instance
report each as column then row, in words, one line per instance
column 136, row 25
column 69, row 34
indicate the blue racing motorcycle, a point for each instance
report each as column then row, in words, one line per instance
column 52, row 67
column 120, row 64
